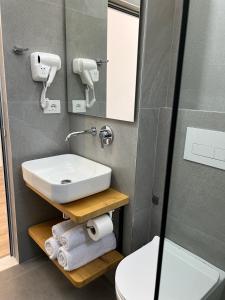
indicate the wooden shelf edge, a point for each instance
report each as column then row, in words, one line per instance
column 89, row 207
column 84, row 275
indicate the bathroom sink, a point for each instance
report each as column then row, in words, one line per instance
column 66, row 178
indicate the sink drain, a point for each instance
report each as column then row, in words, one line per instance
column 65, row 181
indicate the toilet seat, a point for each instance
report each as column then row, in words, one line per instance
column 184, row 275
column 136, row 274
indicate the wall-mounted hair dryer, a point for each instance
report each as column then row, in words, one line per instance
column 88, row 71
column 44, row 67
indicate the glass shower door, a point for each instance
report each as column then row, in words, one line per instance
column 192, row 256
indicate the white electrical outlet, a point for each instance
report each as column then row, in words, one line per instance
column 53, row 107
column 79, row 106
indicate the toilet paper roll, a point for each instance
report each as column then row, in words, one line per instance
column 99, row 227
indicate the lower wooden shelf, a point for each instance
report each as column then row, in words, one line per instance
column 84, row 275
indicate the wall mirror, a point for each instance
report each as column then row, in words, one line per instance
column 102, row 53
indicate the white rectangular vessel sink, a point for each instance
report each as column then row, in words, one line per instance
column 66, row 178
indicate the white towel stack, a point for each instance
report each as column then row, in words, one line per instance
column 86, row 252
column 74, row 237
column 52, row 244
column 72, row 246
column 52, row 247
column 60, row 228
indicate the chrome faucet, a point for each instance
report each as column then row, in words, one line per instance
column 92, row 131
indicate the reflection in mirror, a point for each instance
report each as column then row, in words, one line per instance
column 102, row 51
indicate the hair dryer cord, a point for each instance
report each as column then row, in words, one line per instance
column 89, row 103
column 44, row 100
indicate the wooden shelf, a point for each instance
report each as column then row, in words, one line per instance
column 84, row 275
column 90, row 207
column 81, row 211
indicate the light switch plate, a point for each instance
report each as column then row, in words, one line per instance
column 53, row 107
column 205, row 147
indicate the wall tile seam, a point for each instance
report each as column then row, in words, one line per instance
column 188, row 109
column 132, row 211
column 155, row 146
column 155, row 108
column 199, row 111
column 136, row 160
column 153, row 172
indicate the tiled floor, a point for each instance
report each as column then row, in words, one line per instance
column 40, row 280
column 4, row 237
column 7, row 262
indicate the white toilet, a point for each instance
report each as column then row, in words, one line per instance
column 184, row 275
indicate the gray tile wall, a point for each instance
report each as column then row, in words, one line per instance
column 157, row 77
column 32, row 24
column 157, row 53
column 178, row 8
column 203, row 80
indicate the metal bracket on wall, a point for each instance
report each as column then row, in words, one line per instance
column 19, row 50
column 100, row 62
column 155, row 200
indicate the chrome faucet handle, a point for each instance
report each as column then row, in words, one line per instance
column 102, row 137
column 106, row 136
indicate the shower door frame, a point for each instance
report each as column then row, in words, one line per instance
column 7, row 156
column 175, row 108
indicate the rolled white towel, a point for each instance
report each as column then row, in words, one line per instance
column 85, row 253
column 52, row 248
column 74, row 237
column 60, row 228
